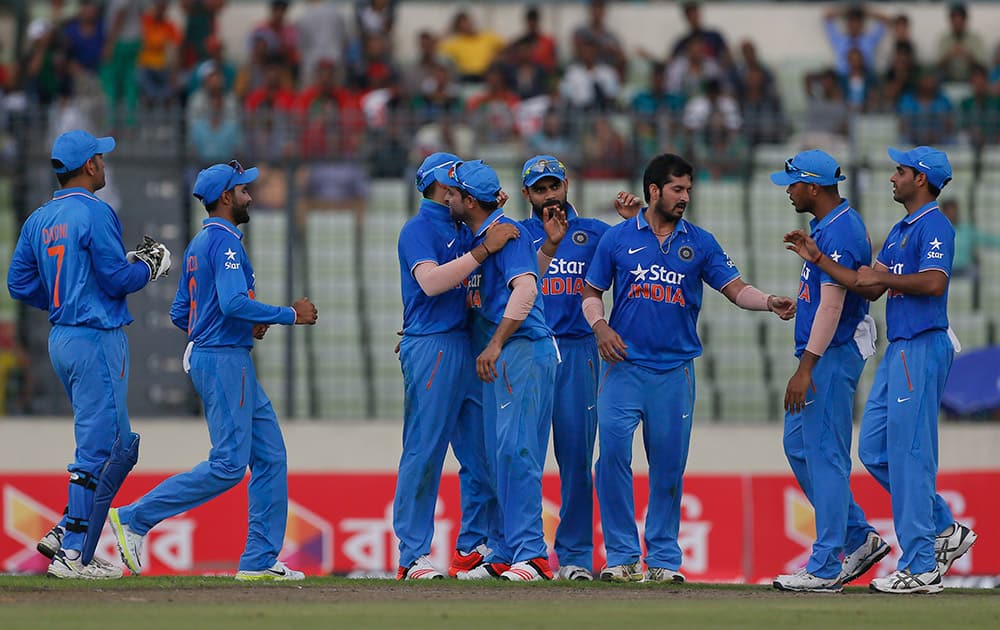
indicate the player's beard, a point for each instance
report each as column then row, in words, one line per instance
column 241, row 214
column 669, row 216
column 557, row 204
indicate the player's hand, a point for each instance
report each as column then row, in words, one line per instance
column 802, row 244
column 398, row 343
column 502, row 198
column 305, row 311
column 154, row 255
column 498, row 236
column 627, row 205
column 555, row 223
column 795, row 392
column 486, row 363
column 259, row 330
column 867, row 277
column 609, row 344
column 782, row 306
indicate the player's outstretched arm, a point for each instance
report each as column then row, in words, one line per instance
column 930, row 282
column 807, row 249
column 750, row 298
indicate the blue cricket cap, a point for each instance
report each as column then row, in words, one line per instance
column 810, row 167
column 74, row 148
column 476, row 178
column 542, row 166
column 434, row 168
column 218, row 178
column 928, row 160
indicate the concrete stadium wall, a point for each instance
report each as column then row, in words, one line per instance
column 46, row 445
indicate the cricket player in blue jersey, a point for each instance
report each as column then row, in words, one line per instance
column 70, row 261
column 442, row 396
column 574, row 411
column 657, row 263
column 518, row 366
column 216, row 306
column 834, row 336
column 898, row 442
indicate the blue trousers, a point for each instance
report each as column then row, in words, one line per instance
column 244, row 431
column 517, row 412
column 468, row 443
column 93, row 366
column 818, row 447
column 664, row 403
column 899, row 441
column 574, row 429
column 438, row 384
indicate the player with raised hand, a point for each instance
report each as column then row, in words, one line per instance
column 517, row 361
column 657, row 263
column 443, row 398
column 834, row 336
column 70, row 260
column 898, row 441
column 216, row 306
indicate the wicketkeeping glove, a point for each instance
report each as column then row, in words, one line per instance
column 155, row 255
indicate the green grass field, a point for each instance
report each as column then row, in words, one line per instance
column 194, row 603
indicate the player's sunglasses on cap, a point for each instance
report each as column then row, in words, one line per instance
column 237, row 170
column 809, row 167
column 542, row 166
column 791, row 169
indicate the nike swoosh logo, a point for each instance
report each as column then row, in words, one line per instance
column 537, row 240
column 889, row 246
column 450, row 243
column 591, row 407
column 273, row 572
column 685, row 415
column 809, row 402
column 505, row 405
column 639, row 249
column 902, row 400
column 922, row 164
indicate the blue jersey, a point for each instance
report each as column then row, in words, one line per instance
column 658, row 288
column 431, row 236
column 921, row 241
column 215, row 302
column 70, row 261
column 842, row 236
column 489, row 286
column 562, row 284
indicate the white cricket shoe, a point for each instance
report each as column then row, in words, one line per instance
column 66, row 565
column 661, row 574
column 129, row 543
column 421, row 569
column 533, row 570
column 623, row 573
column 574, row 572
column 904, row 582
column 277, row 572
column 485, row 571
column 803, row 581
column 951, row 546
column 51, row 542
column 863, row 558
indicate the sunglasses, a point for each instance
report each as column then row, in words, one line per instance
column 545, row 166
column 237, row 170
column 791, row 169
column 421, row 175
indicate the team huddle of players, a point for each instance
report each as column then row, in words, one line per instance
column 505, row 340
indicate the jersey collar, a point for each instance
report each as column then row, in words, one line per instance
column 222, row 224
column 74, row 192
column 642, row 224
column 435, row 211
column 816, row 225
column 927, row 208
column 490, row 220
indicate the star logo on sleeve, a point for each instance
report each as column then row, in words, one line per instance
column 936, row 244
column 835, row 256
column 230, row 254
column 639, row 272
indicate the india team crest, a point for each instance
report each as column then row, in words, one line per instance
column 686, row 253
column 580, row 237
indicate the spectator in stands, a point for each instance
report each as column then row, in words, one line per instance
column 901, row 77
column 329, row 116
column 280, row 35
column 714, row 42
column 604, row 152
column 995, row 71
column 44, row 69
column 216, row 60
column 322, row 34
column 763, row 116
column 214, row 131
column 493, row 110
column 212, row 94
column 417, row 72
column 656, row 98
column 156, row 66
column 712, row 105
column 596, row 33
column 375, row 16
column 926, row 114
column 901, row 32
column 541, row 46
column 553, row 137
column 267, row 111
column 859, row 84
column 750, row 61
column 959, row 49
column 979, row 112
column 375, row 66
column 199, row 29
column 967, row 240
column 526, row 76
column 827, row 114
column 438, row 95
column 84, row 38
column 471, row 50
column 447, row 133
column 689, row 71
column 123, row 39
column 251, row 74
column 589, row 83
column 854, row 34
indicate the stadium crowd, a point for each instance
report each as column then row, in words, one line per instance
column 330, row 86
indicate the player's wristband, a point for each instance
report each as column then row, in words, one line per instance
column 816, row 260
column 593, row 310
